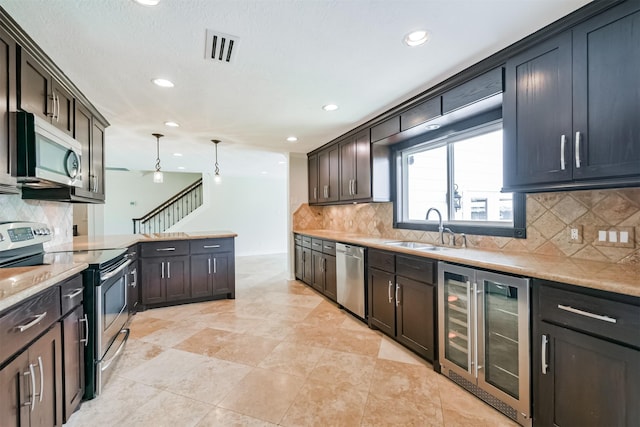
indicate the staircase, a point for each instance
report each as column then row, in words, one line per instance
column 171, row 211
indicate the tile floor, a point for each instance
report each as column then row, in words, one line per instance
column 279, row 354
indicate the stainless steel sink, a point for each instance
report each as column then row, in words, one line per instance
column 410, row 245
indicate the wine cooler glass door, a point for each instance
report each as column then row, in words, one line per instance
column 457, row 323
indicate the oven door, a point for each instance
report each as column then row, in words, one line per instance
column 111, row 307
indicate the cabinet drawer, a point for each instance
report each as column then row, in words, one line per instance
column 297, row 239
column 306, row 242
column 169, row 248
column 415, row 268
column 316, row 245
column 71, row 294
column 22, row 324
column 203, row 246
column 613, row 320
column 382, row 260
column 329, row 247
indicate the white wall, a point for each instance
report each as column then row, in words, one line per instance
column 131, row 194
column 253, row 207
column 298, row 194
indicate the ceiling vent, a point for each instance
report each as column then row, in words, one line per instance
column 220, row 47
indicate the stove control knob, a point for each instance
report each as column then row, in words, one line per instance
column 47, row 231
column 36, row 231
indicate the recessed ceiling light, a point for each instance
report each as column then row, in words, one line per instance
column 416, row 38
column 292, row 139
column 330, row 107
column 171, row 124
column 264, row 172
column 432, row 127
column 282, row 162
column 163, row 82
column 148, row 2
column 181, row 167
column 177, row 154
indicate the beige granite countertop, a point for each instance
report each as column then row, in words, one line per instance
column 19, row 283
column 118, row 241
column 619, row 278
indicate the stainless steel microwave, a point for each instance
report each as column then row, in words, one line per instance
column 46, row 156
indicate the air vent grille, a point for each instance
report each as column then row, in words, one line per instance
column 220, row 47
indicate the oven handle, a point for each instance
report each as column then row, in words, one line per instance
column 110, row 274
column 106, row 364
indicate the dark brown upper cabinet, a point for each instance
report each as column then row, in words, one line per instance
column 385, row 129
column 329, row 174
column 41, row 94
column 8, row 183
column 312, row 172
column 568, row 109
column 355, row 167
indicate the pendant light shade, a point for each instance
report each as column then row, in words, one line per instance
column 158, row 178
column 217, row 178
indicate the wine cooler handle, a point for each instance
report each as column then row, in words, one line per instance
column 545, row 365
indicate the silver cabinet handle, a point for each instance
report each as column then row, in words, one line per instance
column 168, row 269
column 162, row 273
column 211, row 246
column 58, row 105
column 397, row 297
column 74, row 294
column 563, row 141
column 355, row 187
column 215, row 266
column 34, row 322
column 587, row 314
column 578, row 149
column 32, row 400
column 53, row 106
column 165, row 249
column 389, row 291
column 41, row 378
column 84, row 320
column 134, row 273
column 209, row 266
column 315, row 192
column 545, row 365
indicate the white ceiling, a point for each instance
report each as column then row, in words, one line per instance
column 293, row 57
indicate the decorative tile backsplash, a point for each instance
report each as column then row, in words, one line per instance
column 550, row 216
column 58, row 215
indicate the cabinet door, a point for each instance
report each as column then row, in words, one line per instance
column 312, row 170
column 347, row 168
column 73, row 331
column 362, row 176
column 7, row 104
column 415, row 316
column 220, row 273
column 15, row 392
column 330, row 280
column 606, row 78
column 317, row 262
column 82, row 133
column 46, row 356
column 537, row 114
column 299, row 264
column 201, row 270
column 307, row 271
column 177, row 278
column 382, row 309
column 63, row 112
column 97, row 160
column 35, row 90
column 328, row 174
column 588, row 381
column 153, row 286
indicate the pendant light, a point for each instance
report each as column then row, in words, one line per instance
column 217, row 178
column 157, row 175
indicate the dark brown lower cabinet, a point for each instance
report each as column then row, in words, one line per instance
column 299, row 266
column 588, row 381
column 324, row 274
column 73, row 345
column 307, row 266
column 165, row 279
column 31, row 384
column 402, row 300
column 210, row 274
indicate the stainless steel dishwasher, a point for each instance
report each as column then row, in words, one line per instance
column 350, row 278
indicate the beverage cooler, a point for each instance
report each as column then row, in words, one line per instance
column 484, row 336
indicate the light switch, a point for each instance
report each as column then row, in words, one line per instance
column 624, row 237
column 613, row 236
column 602, row 236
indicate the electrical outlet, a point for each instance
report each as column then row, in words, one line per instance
column 575, row 234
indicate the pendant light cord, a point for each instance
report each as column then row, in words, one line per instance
column 217, row 170
column 158, row 136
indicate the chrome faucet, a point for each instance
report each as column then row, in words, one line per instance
column 440, row 226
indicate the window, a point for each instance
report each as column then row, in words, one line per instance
column 459, row 174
